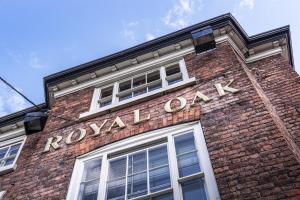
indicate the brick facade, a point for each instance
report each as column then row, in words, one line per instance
column 250, row 155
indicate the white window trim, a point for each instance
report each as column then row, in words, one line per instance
column 2, row 193
column 144, row 139
column 13, row 166
column 96, row 109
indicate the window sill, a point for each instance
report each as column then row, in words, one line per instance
column 7, row 169
column 134, row 100
column 191, row 177
column 155, row 194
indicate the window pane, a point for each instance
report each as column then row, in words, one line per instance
column 187, row 158
column 154, row 87
column 9, row 161
column 188, row 164
column 116, row 183
column 174, row 79
column 90, row 180
column 106, row 92
column 158, row 157
column 164, row 197
column 3, row 152
column 159, row 169
column 174, row 69
column 153, row 76
column 89, row 190
column 105, row 103
column 159, row 179
column 194, row 190
column 137, row 162
column 184, row 143
column 125, row 86
column 137, row 81
column 14, row 149
column 124, row 97
column 137, row 185
column 139, row 92
column 92, row 170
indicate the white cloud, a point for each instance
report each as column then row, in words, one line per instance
column 10, row 101
column 247, row 4
column 128, row 30
column 149, row 36
column 181, row 13
column 35, row 61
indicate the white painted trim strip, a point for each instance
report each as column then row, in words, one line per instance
column 252, row 58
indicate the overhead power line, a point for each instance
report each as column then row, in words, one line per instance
column 31, row 102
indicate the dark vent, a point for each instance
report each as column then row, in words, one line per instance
column 203, row 39
column 35, row 122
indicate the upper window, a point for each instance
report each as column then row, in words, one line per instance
column 139, row 86
column 9, row 152
column 172, row 165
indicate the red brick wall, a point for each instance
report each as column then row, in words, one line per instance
column 249, row 155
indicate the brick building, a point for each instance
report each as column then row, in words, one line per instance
column 206, row 112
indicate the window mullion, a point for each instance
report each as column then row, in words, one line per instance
column 126, row 178
column 114, row 100
column 148, row 173
column 174, row 169
column 163, row 77
column 103, row 178
column 183, row 70
column 96, row 97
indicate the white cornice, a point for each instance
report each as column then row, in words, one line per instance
column 255, row 57
column 137, row 68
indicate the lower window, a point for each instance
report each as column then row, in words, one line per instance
column 173, row 166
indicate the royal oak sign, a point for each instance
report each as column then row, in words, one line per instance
column 55, row 141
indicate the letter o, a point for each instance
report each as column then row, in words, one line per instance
column 81, row 136
column 168, row 108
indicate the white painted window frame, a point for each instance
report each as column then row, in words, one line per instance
column 2, row 193
column 10, row 142
column 96, row 109
column 144, row 139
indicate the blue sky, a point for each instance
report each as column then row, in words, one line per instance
column 38, row 38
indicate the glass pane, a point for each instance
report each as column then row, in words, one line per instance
column 14, row 149
column 159, row 179
column 137, row 185
column 187, row 157
column 174, row 79
column 158, row 157
column 137, row 81
column 188, row 164
column 125, row 86
column 117, row 168
column 154, row 87
column 116, row 183
column 89, row 190
column 184, row 143
column 153, row 76
column 139, row 92
column 116, row 189
column 9, row 161
column 92, row 170
column 3, row 152
column 174, row 69
column 194, row 190
column 124, row 97
column 164, row 197
column 105, row 103
column 106, row 92
column 137, row 162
